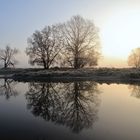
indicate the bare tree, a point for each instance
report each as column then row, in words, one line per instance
column 44, row 47
column 81, row 42
column 7, row 56
column 134, row 58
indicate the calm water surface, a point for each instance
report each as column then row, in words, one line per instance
column 69, row 111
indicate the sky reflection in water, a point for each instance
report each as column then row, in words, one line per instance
column 77, row 110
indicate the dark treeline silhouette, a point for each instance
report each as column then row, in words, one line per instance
column 74, row 105
column 74, row 43
column 7, row 88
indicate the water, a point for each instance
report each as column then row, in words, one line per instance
column 69, row 111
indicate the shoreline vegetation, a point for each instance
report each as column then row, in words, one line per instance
column 101, row 75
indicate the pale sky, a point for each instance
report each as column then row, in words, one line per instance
column 118, row 21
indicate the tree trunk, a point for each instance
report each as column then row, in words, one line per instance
column 76, row 58
column 44, row 64
column 75, row 62
column 5, row 65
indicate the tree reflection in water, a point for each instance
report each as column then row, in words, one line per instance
column 74, row 105
column 7, row 88
column 135, row 90
column 44, row 100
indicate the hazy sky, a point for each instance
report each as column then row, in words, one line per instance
column 20, row 18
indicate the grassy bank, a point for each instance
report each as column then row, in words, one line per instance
column 66, row 74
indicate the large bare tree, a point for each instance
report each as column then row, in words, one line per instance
column 7, row 56
column 81, row 42
column 134, row 58
column 44, row 47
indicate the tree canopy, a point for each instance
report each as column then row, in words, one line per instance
column 74, row 43
column 81, row 42
column 44, row 47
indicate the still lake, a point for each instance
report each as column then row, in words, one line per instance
column 69, row 111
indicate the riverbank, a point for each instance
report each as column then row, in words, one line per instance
column 116, row 75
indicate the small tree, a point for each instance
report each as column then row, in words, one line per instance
column 134, row 58
column 81, row 42
column 44, row 47
column 7, row 56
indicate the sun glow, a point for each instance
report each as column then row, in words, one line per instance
column 121, row 34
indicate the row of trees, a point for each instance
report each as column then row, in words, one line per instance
column 74, row 43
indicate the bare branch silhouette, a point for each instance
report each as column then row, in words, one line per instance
column 7, row 88
column 81, row 42
column 81, row 105
column 44, row 101
column 7, row 56
column 44, row 47
column 74, row 105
